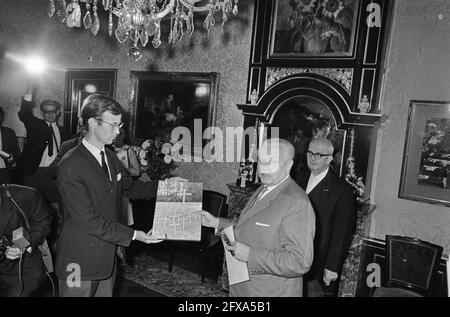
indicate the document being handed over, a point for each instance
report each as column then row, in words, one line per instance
column 237, row 270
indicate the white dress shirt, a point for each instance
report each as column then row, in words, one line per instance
column 314, row 180
column 96, row 153
column 46, row 160
column 270, row 188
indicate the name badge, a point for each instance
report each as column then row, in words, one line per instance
column 262, row 224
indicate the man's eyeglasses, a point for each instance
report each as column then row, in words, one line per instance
column 49, row 111
column 316, row 155
column 113, row 125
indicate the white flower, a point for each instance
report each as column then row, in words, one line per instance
column 165, row 149
column 170, row 117
column 167, row 159
column 146, row 144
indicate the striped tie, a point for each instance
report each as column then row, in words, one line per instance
column 257, row 197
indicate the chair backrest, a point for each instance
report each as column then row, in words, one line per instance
column 411, row 262
column 215, row 203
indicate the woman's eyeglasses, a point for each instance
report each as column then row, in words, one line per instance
column 113, row 125
column 316, row 155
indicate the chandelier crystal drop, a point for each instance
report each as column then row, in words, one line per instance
column 139, row 20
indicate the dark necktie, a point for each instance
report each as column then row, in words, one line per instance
column 51, row 136
column 104, row 166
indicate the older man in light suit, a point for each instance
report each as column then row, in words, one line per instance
column 275, row 231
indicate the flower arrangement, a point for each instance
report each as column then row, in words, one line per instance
column 155, row 158
column 321, row 25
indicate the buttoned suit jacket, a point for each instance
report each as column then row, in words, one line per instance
column 279, row 229
column 38, row 134
column 39, row 217
column 92, row 213
column 335, row 207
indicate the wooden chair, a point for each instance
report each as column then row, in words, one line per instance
column 210, row 246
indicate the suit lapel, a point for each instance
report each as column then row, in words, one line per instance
column 251, row 201
column 263, row 203
column 324, row 185
column 93, row 162
column 303, row 180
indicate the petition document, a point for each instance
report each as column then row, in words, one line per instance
column 237, row 270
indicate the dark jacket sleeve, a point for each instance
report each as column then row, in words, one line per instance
column 344, row 222
column 39, row 218
column 13, row 144
column 136, row 189
column 26, row 111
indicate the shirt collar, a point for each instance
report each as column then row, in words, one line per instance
column 321, row 175
column 272, row 187
column 95, row 151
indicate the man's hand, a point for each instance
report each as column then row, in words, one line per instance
column 146, row 237
column 209, row 220
column 144, row 178
column 176, row 179
column 329, row 276
column 121, row 253
column 14, row 253
column 240, row 250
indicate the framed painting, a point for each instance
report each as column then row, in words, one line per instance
column 162, row 101
column 426, row 160
column 80, row 83
column 313, row 28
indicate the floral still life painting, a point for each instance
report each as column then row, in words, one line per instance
column 314, row 27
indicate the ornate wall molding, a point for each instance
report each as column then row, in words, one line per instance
column 342, row 76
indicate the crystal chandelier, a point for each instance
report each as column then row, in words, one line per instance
column 139, row 20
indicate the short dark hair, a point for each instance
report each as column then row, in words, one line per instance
column 50, row 102
column 95, row 105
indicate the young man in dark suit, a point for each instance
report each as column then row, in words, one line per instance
column 9, row 151
column 90, row 181
column 44, row 138
column 335, row 207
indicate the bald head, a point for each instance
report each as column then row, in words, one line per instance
column 324, row 144
column 275, row 160
column 283, row 147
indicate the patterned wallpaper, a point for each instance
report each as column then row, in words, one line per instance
column 418, row 38
column 25, row 28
